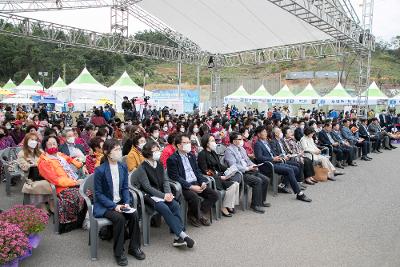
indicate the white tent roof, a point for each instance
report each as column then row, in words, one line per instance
column 28, row 86
column 226, row 26
column 126, row 85
column 85, row 81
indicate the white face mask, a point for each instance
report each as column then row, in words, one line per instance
column 156, row 155
column 280, row 135
column 165, row 128
column 8, row 126
column 122, row 127
column 32, row 143
column 156, row 135
column 187, row 148
column 196, row 130
column 71, row 140
column 141, row 145
column 246, row 135
column 241, row 143
column 116, row 155
column 213, row 145
column 182, row 130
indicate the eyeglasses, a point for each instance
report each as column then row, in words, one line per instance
column 239, row 139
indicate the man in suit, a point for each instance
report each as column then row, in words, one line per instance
column 264, row 153
column 366, row 132
column 299, row 131
column 279, row 148
column 182, row 167
column 69, row 148
column 375, row 129
column 344, row 144
column 325, row 139
column 355, row 140
column 235, row 155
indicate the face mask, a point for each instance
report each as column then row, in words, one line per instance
column 246, row 135
column 195, row 130
column 165, row 128
column 52, row 150
column 187, row 148
column 156, row 135
column 182, row 130
column 123, row 128
column 217, row 126
column 241, row 143
column 280, row 135
column 156, row 155
column 32, row 143
column 8, row 126
column 116, row 155
column 302, row 126
column 71, row 140
column 141, row 145
column 213, row 145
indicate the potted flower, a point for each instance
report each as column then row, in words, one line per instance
column 30, row 220
column 13, row 244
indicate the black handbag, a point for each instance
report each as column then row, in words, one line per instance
column 34, row 174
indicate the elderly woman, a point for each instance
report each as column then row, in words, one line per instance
column 135, row 157
column 153, row 181
column 210, row 165
column 5, row 139
column 297, row 154
column 308, row 144
column 56, row 168
column 38, row 188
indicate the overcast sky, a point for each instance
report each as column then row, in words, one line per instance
column 386, row 18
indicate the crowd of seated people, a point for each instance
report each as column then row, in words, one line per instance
column 216, row 151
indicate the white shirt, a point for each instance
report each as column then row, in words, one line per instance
column 115, row 180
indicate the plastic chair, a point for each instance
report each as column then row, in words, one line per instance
column 8, row 157
column 95, row 223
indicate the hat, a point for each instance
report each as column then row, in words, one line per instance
column 17, row 122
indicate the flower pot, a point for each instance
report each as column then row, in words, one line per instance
column 13, row 263
column 28, row 253
column 34, row 240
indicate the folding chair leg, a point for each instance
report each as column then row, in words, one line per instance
column 8, row 184
column 146, row 229
column 275, row 185
column 93, row 239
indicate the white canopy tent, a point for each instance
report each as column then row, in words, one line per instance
column 28, row 87
column 125, row 86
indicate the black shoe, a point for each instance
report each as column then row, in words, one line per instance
column 193, row 221
column 338, row 165
column 204, row 221
column 393, row 147
column 137, row 253
column 303, row 197
column 331, row 179
column 226, row 214
column 233, row 211
column 368, row 157
column 122, row 260
column 378, row 151
column 338, row 173
column 189, row 242
column 284, row 190
column 179, row 242
column 352, row 164
column 365, row 158
column 266, row 204
column 257, row 209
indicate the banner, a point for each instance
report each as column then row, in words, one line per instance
column 189, row 97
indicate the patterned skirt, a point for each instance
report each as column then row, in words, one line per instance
column 71, row 209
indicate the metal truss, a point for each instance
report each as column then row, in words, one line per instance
column 16, row 6
column 156, row 24
column 318, row 49
column 327, row 17
column 70, row 36
column 119, row 18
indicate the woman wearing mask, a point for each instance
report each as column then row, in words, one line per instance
column 56, row 168
column 181, row 127
column 38, row 188
column 134, row 130
column 93, row 160
column 154, row 135
column 164, row 131
column 153, row 181
column 195, row 138
column 135, row 157
column 247, row 144
column 113, row 201
column 210, row 165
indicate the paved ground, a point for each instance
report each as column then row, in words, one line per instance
column 351, row 222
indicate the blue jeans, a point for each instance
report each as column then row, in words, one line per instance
column 171, row 214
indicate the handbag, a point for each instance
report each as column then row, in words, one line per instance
column 34, row 174
column 321, row 173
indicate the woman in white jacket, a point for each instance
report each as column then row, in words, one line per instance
column 308, row 144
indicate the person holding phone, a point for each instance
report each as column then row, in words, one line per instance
column 112, row 201
column 182, row 167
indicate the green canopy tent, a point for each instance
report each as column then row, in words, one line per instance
column 308, row 93
column 338, row 96
column 374, row 92
column 260, row 95
column 40, row 84
column 10, row 85
column 239, row 95
column 57, row 87
column 28, row 86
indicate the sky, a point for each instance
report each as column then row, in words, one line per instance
column 385, row 26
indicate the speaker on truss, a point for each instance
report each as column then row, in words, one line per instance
column 211, row 62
